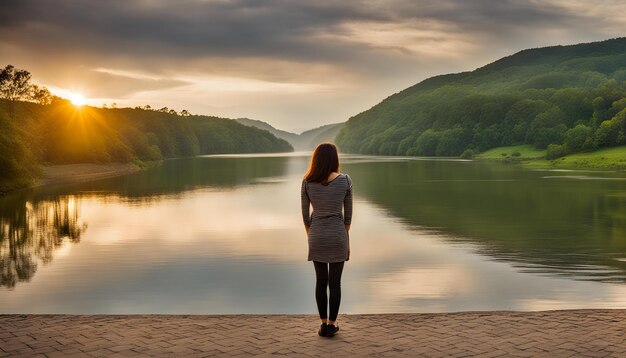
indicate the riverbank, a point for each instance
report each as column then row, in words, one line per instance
column 603, row 159
column 580, row 333
column 74, row 173
column 77, row 173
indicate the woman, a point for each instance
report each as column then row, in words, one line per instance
column 327, row 228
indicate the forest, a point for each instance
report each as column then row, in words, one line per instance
column 565, row 99
column 38, row 128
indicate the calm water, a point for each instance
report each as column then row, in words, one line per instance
column 224, row 234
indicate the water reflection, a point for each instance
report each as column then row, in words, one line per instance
column 555, row 225
column 34, row 223
column 31, row 232
column 224, row 234
column 175, row 177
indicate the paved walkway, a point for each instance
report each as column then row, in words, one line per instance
column 578, row 333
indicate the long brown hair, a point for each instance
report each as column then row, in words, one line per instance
column 324, row 161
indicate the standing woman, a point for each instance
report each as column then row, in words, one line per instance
column 327, row 229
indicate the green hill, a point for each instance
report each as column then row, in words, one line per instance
column 60, row 133
column 564, row 98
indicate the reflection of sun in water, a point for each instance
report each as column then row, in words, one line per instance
column 77, row 99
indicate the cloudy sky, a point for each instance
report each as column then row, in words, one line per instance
column 294, row 64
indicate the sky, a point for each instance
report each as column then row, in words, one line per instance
column 294, row 64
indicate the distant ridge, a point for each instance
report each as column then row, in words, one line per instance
column 306, row 140
column 288, row 136
column 313, row 137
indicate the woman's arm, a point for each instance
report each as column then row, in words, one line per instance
column 347, row 205
column 348, row 231
column 347, row 212
column 306, row 203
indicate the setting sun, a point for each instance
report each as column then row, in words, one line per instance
column 77, row 99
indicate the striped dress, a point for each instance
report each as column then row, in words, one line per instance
column 328, row 239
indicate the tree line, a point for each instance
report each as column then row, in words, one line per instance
column 57, row 132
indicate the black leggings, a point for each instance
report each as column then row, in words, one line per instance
column 328, row 275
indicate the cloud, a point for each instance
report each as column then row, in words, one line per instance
column 275, row 28
column 367, row 48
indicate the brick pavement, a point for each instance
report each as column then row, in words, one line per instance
column 572, row 333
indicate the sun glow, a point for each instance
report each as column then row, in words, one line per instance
column 77, row 99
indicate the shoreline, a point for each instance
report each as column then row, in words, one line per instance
column 54, row 174
column 83, row 172
column 554, row 164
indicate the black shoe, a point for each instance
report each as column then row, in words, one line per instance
column 323, row 330
column 331, row 329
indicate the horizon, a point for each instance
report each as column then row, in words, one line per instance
column 295, row 66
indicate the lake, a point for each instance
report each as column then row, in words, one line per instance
column 224, row 234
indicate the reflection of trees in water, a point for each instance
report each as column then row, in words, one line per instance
column 571, row 228
column 32, row 228
column 32, row 232
column 176, row 177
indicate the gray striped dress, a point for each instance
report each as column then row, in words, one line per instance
column 328, row 239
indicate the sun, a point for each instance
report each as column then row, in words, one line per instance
column 77, row 99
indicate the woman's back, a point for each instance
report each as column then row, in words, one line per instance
column 332, row 211
column 328, row 199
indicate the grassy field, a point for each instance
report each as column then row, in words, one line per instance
column 603, row 159
column 606, row 159
column 525, row 152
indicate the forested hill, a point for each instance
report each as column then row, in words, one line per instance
column 60, row 133
column 565, row 98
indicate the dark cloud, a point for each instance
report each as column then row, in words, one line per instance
column 182, row 28
column 262, row 28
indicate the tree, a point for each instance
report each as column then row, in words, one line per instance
column 14, row 85
column 518, row 133
column 491, row 113
column 468, row 154
column 426, row 143
column 555, row 151
column 388, row 148
column 405, row 145
column 489, row 137
column 573, row 102
column 547, row 128
column 41, row 95
column 612, row 132
column 525, row 110
column 185, row 113
column 549, row 135
column 576, row 137
column 452, row 142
